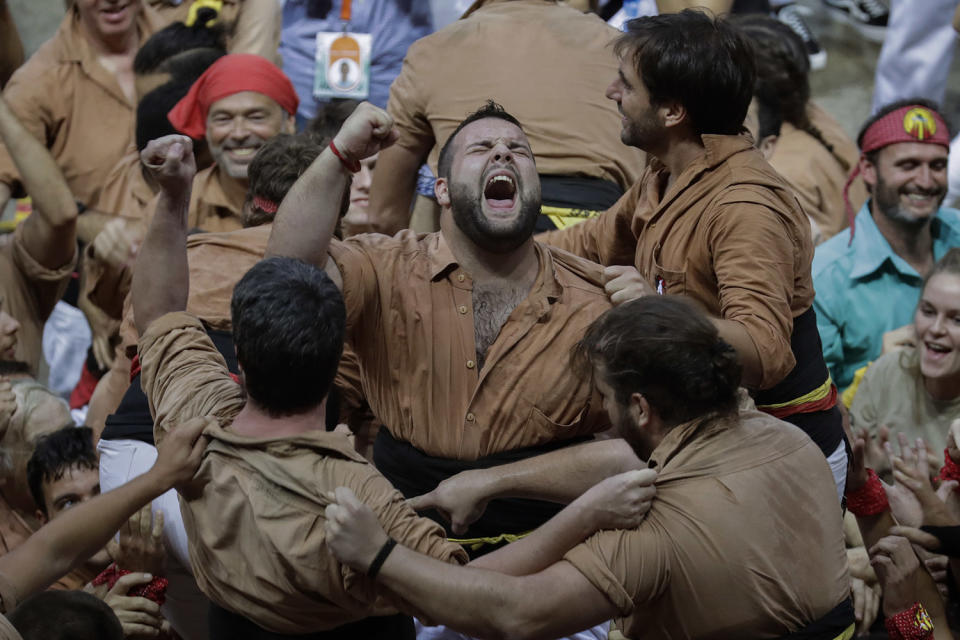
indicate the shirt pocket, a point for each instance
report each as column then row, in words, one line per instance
column 668, row 281
column 547, row 429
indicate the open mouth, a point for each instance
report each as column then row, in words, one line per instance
column 500, row 191
column 243, row 153
column 115, row 13
column 937, row 351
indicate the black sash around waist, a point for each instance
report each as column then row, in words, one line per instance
column 810, row 372
column 584, row 197
column 414, row 473
column 833, row 626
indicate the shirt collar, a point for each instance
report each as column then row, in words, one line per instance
column 717, row 149
column 442, row 260
column 212, row 194
column 682, row 435
column 871, row 250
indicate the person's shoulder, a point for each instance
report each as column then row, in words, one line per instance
column 833, row 256
column 950, row 217
column 891, row 369
column 576, row 272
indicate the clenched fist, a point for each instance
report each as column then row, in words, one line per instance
column 171, row 164
column 368, row 130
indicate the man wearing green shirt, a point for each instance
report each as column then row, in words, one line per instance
column 867, row 280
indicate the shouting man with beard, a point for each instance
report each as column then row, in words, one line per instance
column 691, row 569
column 868, row 280
column 462, row 335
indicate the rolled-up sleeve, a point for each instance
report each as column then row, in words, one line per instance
column 184, row 376
column 752, row 259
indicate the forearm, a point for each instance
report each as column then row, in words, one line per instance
column 473, row 601
column 562, row 475
column 161, row 279
column 39, row 173
column 543, row 547
column 392, row 191
column 308, row 214
column 76, row 535
column 91, row 223
column 739, row 338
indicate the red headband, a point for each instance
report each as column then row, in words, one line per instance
column 912, row 123
column 231, row 74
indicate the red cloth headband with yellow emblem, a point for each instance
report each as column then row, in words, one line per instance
column 911, row 123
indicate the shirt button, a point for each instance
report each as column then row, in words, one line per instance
column 471, row 364
column 470, row 417
column 462, row 309
column 459, row 277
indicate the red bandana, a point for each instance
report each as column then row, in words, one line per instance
column 912, row 123
column 229, row 75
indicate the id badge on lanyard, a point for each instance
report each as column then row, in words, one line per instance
column 342, row 68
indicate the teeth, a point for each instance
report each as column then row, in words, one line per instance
column 243, row 152
column 938, row 348
column 506, row 179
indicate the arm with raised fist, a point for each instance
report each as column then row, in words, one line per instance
column 308, row 214
column 161, row 278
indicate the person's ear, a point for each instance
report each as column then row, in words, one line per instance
column 672, row 114
column 441, row 191
column 639, row 410
column 290, row 125
column 40, row 516
column 868, row 171
column 767, row 146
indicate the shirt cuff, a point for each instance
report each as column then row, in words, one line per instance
column 596, row 571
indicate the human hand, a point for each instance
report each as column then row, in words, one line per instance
column 140, row 546
column 876, row 453
column 902, row 338
column 117, row 243
column 624, row 283
column 460, row 499
column 8, row 405
column 857, row 470
column 911, row 469
column 139, row 617
column 621, row 501
column 354, row 535
column 367, row 131
column 937, row 566
column 953, row 448
column 180, row 453
column 170, row 162
column 858, row 562
column 866, row 603
column 898, row 568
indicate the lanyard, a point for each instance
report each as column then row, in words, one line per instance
column 345, row 11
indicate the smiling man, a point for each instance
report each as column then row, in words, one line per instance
column 868, row 280
column 238, row 104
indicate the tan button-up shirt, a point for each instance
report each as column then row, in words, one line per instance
column 66, row 99
column 410, row 320
column 125, row 191
column 255, row 513
column 29, row 292
column 548, row 65
column 728, row 233
column 744, row 540
column 816, row 175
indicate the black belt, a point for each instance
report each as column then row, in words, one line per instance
column 839, row 624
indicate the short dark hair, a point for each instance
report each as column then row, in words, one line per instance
column 490, row 109
column 329, row 118
column 890, row 108
column 178, row 38
column 769, row 120
column 666, row 349
column 288, row 324
column 56, row 453
column 186, row 67
column 701, row 62
column 276, row 167
column 14, row 368
column 65, row 615
column 152, row 110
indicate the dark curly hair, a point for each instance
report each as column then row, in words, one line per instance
column 666, row 349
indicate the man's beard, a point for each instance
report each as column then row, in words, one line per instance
column 887, row 199
column 643, row 133
column 468, row 215
column 638, row 439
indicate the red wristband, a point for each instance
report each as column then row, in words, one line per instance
column 950, row 469
column 870, row 499
column 155, row 590
column 912, row 624
column 353, row 166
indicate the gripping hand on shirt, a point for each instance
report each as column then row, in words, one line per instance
column 354, row 534
column 624, row 283
column 170, row 162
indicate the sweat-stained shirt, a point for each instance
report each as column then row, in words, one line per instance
column 410, row 320
column 254, row 514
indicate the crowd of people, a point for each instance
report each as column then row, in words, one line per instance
column 333, row 319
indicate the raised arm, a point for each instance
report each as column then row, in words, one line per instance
column 72, row 538
column 308, row 214
column 50, row 236
column 559, row 476
column 161, row 279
